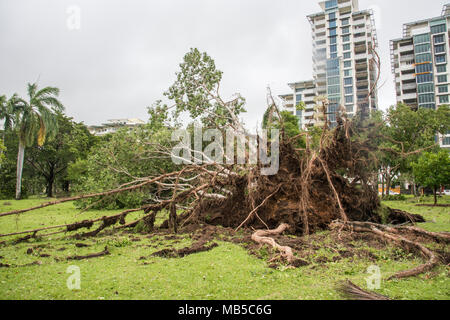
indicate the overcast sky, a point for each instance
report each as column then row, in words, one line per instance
column 125, row 53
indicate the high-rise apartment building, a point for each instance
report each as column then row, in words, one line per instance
column 344, row 63
column 421, row 66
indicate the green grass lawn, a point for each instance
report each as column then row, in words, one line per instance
column 226, row 272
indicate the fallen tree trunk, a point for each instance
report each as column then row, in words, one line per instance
column 92, row 255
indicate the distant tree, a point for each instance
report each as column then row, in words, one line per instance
column 196, row 91
column 36, row 120
column 432, row 170
column 7, row 113
column 123, row 156
column 405, row 131
column 51, row 160
column 290, row 123
column 2, row 150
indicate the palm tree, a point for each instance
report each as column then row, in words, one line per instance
column 7, row 115
column 8, row 109
column 36, row 120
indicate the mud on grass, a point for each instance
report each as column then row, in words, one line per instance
column 227, row 271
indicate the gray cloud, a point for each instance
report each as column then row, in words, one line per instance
column 127, row 52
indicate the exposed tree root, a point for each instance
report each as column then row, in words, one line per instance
column 261, row 237
column 351, row 291
column 391, row 234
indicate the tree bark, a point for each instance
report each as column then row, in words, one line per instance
column 50, row 188
column 388, row 183
column 50, row 182
column 435, row 195
column 20, row 158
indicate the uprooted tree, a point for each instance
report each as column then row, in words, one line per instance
column 331, row 183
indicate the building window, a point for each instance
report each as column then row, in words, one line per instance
column 333, row 32
column 333, row 40
column 333, row 56
column 345, row 30
column 423, row 78
column 442, row 68
column 298, row 98
column 332, row 16
column 426, row 57
column 421, row 68
column 439, row 48
column 442, row 79
column 348, row 73
column 421, row 38
column 333, row 48
column 441, row 59
column 336, row 100
column 348, row 81
column 421, row 48
column 425, row 88
column 443, row 99
column 347, row 64
column 346, row 38
column 349, row 99
column 347, row 47
column 347, row 55
column 349, row 108
column 426, row 98
column 333, row 24
column 439, row 39
column 348, row 90
column 345, row 22
column 333, row 81
column 331, row 4
column 334, row 89
column 446, row 141
column 443, row 89
column 439, row 29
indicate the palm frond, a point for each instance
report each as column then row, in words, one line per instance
column 351, row 291
column 47, row 92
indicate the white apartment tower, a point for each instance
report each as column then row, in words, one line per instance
column 420, row 64
column 344, row 67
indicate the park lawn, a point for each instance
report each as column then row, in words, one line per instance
column 226, row 272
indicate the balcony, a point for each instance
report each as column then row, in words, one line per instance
column 360, row 38
column 362, row 75
column 361, row 56
column 406, row 58
column 409, row 96
column 406, row 67
column 361, row 66
column 409, row 86
column 408, row 48
column 362, row 84
column 362, row 48
column 406, row 77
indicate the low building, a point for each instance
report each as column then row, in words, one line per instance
column 114, row 125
